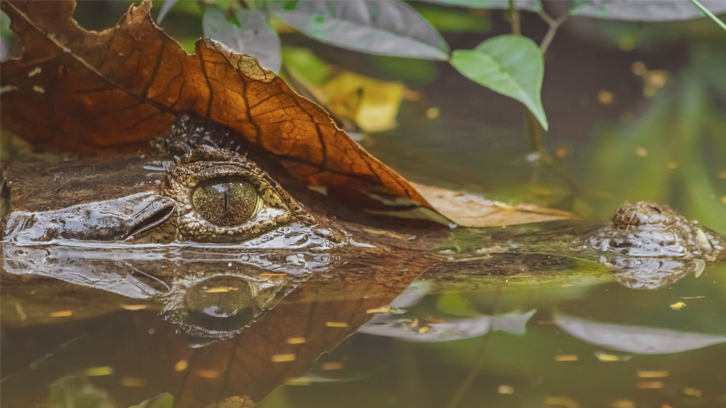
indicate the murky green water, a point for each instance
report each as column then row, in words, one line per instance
column 388, row 326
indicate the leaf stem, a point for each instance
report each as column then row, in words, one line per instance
column 514, row 16
column 554, row 26
column 708, row 13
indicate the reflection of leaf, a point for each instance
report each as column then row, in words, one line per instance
column 253, row 37
column 633, row 339
column 76, row 392
column 473, row 211
column 509, row 64
column 113, row 91
column 378, row 27
column 532, row 5
column 643, row 10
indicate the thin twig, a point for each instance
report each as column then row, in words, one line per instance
column 554, row 26
column 708, row 13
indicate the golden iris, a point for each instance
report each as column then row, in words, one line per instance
column 226, row 203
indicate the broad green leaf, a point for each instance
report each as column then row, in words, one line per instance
column 453, row 19
column 377, row 27
column 307, row 64
column 644, row 10
column 253, row 36
column 509, row 64
column 531, row 5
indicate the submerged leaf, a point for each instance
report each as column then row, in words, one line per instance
column 509, row 64
column 644, row 10
column 111, row 92
column 473, row 211
column 379, row 27
column 253, row 37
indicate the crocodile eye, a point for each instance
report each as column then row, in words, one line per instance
column 226, row 203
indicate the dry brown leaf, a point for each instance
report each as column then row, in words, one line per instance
column 108, row 92
column 472, row 211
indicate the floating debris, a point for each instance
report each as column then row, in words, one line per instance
column 99, row 371
column 62, row 313
column 505, row 389
column 336, row 324
column 134, row 307
column 608, row 358
column 649, row 385
column 653, row 374
column 678, row 306
column 333, row 366
column 567, row 357
column 205, row 373
column 181, row 365
column 693, row 392
column 282, row 358
column 296, row 340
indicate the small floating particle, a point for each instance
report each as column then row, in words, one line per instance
column 336, row 324
column 566, row 357
column 608, row 358
column 382, row 309
column 299, row 381
column 568, row 285
column 433, row 113
column 296, row 340
column 605, row 97
column 21, row 312
column 678, row 306
column 424, row 329
column 181, row 365
column 561, row 152
column 133, row 382
column 623, row 404
column 672, row 165
column 649, row 385
column 653, row 374
column 62, row 313
column 693, row 297
column 134, row 307
column 565, row 402
column 693, row 392
column 411, row 95
column 34, row 72
column 641, row 151
column 639, row 68
column 281, row 358
column 206, row 373
column 333, row 366
column 505, row 389
column 99, row 371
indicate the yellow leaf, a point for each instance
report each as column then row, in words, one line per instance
column 473, row 211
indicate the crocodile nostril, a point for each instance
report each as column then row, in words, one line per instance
column 151, row 221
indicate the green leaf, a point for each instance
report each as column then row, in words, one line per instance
column 452, row 19
column 76, row 392
column 253, row 37
column 509, row 64
column 307, row 64
column 531, row 5
column 377, row 27
column 643, row 10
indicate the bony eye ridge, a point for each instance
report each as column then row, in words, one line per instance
column 226, row 202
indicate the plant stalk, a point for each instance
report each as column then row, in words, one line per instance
column 708, row 13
